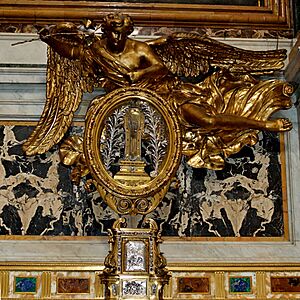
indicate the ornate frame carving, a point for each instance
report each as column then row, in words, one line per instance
column 273, row 15
column 123, row 198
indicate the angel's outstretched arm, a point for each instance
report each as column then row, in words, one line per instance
column 64, row 39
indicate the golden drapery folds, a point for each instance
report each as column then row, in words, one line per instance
column 221, row 95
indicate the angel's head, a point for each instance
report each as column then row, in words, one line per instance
column 116, row 27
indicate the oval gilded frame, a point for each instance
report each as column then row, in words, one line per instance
column 122, row 198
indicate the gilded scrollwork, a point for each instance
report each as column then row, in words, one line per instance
column 205, row 93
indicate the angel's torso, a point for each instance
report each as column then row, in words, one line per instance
column 126, row 61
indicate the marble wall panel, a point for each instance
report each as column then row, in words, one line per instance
column 238, row 201
column 285, row 284
column 193, row 285
column 243, row 200
column 73, row 285
column 25, row 285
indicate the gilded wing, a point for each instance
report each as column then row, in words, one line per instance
column 191, row 55
column 66, row 81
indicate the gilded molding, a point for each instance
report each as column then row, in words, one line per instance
column 273, row 15
column 46, row 285
column 168, row 290
column 173, row 267
column 99, row 287
column 4, row 277
column 231, row 267
column 218, row 279
column 261, row 284
column 220, row 285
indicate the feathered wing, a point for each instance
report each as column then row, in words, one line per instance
column 66, row 81
column 191, row 55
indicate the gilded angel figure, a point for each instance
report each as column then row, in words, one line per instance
column 211, row 86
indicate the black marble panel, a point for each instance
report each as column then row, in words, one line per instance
column 244, row 200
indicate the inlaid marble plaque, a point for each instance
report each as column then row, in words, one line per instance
column 73, row 285
column 135, row 256
column 134, row 288
column 25, row 285
column 193, row 285
column 240, row 284
column 286, row 284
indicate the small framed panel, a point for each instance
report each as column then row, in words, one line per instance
column 134, row 288
column 25, row 285
column 135, row 256
column 193, row 285
column 73, row 285
column 286, row 284
column 240, row 284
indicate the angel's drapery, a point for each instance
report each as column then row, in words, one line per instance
column 225, row 94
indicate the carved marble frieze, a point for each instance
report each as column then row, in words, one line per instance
column 245, row 200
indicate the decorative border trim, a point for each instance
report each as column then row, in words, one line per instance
column 173, row 267
column 273, row 15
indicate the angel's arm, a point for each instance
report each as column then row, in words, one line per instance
column 64, row 39
column 151, row 64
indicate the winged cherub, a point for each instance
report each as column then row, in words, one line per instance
column 222, row 109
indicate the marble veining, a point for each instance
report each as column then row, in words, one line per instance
column 244, row 200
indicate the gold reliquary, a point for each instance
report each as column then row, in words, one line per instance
column 134, row 267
